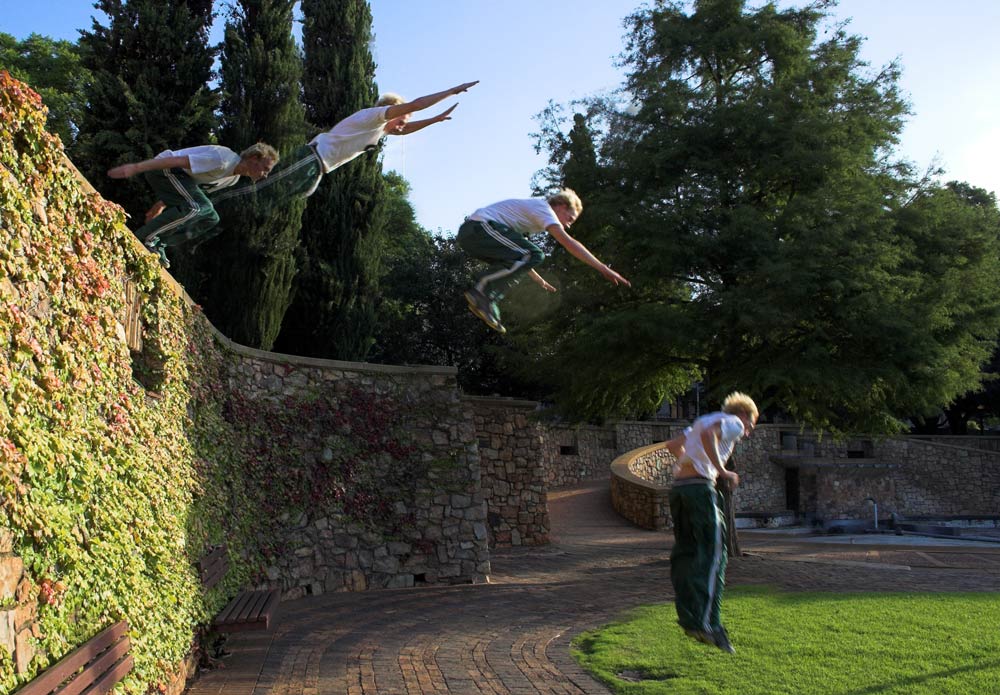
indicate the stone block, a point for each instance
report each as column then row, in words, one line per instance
column 24, row 652
column 11, row 571
column 8, row 633
column 400, row 581
column 25, row 614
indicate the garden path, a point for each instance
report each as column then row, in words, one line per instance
column 512, row 636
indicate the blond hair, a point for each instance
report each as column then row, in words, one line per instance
column 569, row 198
column 261, row 150
column 390, row 99
column 737, row 403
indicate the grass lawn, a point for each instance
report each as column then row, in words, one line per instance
column 808, row 644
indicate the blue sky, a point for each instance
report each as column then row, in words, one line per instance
column 526, row 52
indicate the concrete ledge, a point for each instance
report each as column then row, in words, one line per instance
column 500, row 401
column 641, row 501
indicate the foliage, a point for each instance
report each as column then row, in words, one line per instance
column 744, row 183
column 365, row 468
column 243, row 277
column 113, row 493
column 904, row 644
column 150, row 69
column 334, row 308
column 53, row 69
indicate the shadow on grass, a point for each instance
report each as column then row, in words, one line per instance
column 915, row 680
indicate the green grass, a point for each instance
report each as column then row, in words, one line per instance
column 808, row 644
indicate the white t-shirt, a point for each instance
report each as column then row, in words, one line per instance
column 694, row 450
column 211, row 165
column 351, row 137
column 523, row 215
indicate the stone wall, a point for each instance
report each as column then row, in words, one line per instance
column 916, row 478
column 447, row 541
column 574, row 454
column 18, row 607
column 513, row 478
column 762, row 481
column 640, row 485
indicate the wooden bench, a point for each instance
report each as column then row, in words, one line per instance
column 95, row 667
column 249, row 610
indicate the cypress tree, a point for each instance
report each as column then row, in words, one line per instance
column 149, row 90
column 334, row 309
column 243, row 277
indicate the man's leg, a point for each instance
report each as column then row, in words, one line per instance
column 508, row 253
column 182, row 200
column 297, row 174
column 711, row 554
column 682, row 556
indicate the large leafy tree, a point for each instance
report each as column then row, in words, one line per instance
column 53, row 69
column 149, row 90
column 774, row 244
column 243, row 277
column 334, row 310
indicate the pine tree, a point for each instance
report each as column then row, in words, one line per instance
column 243, row 276
column 149, row 91
column 334, row 309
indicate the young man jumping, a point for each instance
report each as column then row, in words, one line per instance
column 497, row 234
column 698, row 558
column 182, row 180
column 362, row 131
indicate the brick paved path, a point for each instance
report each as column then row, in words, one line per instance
column 511, row 636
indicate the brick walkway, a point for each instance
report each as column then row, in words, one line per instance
column 511, row 636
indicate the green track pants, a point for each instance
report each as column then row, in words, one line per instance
column 188, row 213
column 698, row 558
column 507, row 252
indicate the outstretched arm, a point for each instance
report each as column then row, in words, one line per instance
column 421, row 103
column 580, row 252
column 414, row 126
column 541, row 281
column 125, row 171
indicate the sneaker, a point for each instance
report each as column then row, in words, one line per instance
column 483, row 308
column 161, row 251
column 722, row 640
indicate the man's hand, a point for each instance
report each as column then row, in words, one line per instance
column 445, row 115
column 123, row 171
column 732, row 477
column 614, row 277
column 546, row 286
column 154, row 211
column 464, row 87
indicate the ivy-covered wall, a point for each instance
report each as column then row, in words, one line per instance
column 119, row 467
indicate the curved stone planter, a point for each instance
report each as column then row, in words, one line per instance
column 640, row 483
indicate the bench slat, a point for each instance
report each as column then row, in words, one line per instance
column 251, row 610
column 111, row 678
column 214, row 566
column 232, row 609
column 49, row 680
column 98, row 670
